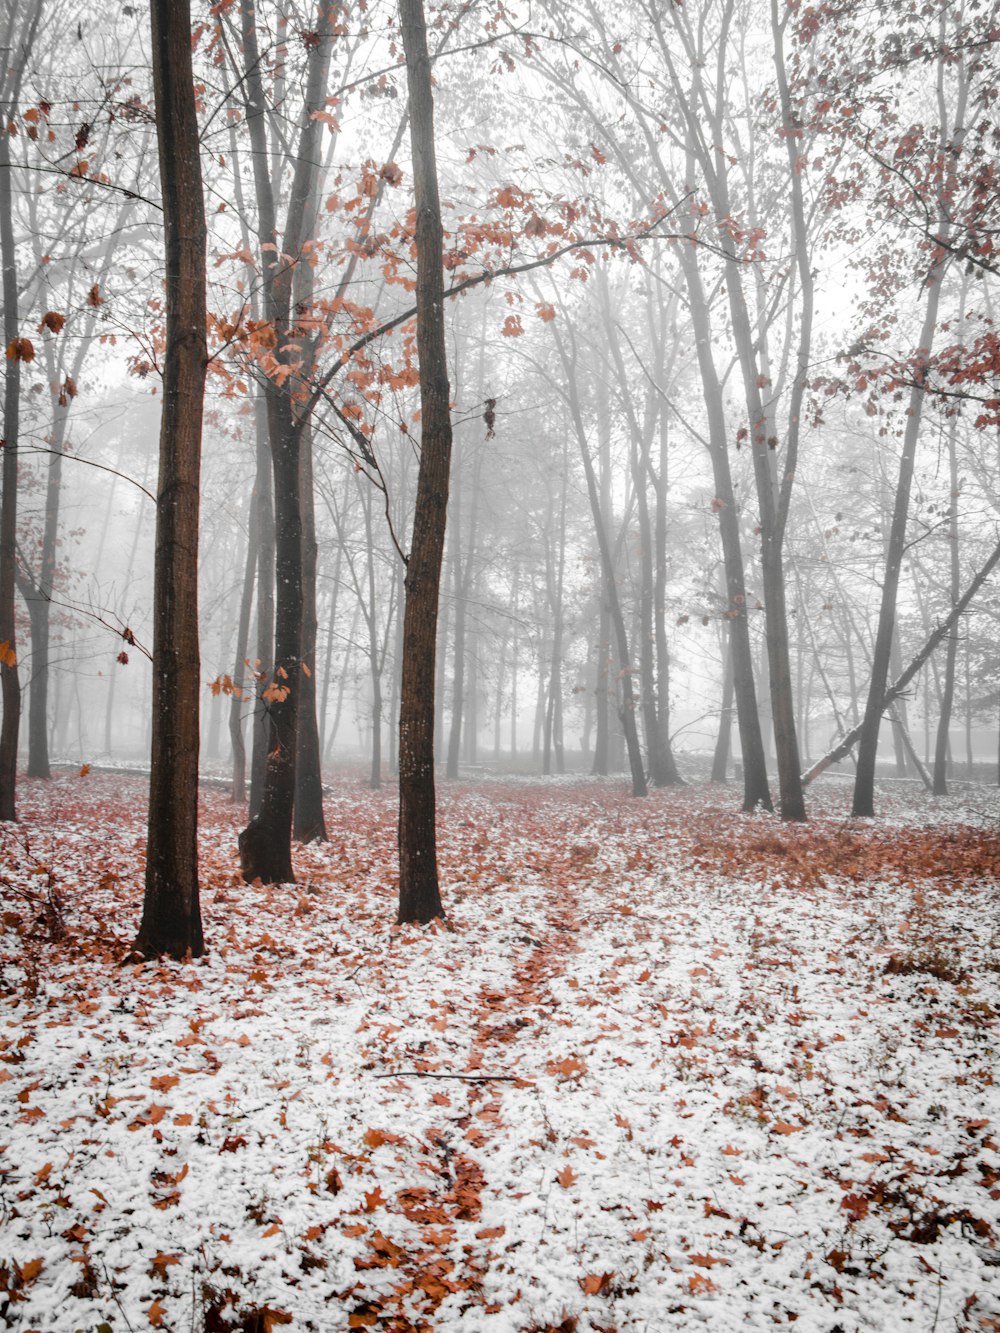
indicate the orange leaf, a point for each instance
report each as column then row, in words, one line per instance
column 21, row 349
column 52, row 321
column 374, row 1199
column 512, row 327
column 164, row 1082
column 94, row 296
column 566, row 1177
column 569, row 1067
column 490, row 1233
column 31, row 1269
column 84, row 770
column 698, row 1284
column 155, row 1314
column 545, row 312
column 783, row 1127
column 705, row 1260
column 596, row 1284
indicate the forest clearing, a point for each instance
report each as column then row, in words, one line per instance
column 663, row 1065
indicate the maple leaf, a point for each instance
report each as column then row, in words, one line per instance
column 705, row 1260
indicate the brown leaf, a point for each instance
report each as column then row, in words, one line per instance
column 53, row 321
column 596, row 1284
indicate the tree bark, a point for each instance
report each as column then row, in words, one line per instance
column 419, row 890
column 171, row 916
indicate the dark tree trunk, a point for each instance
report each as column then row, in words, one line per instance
column 264, row 650
column 10, row 685
column 419, row 892
column 266, row 842
column 171, row 914
column 309, row 824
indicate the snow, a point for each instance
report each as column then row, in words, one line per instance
column 665, row 1066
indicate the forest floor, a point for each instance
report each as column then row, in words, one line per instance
column 665, row 1066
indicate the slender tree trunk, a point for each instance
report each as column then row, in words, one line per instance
column 309, row 823
column 10, row 685
column 264, row 652
column 864, row 781
column 940, row 781
column 720, row 756
column 265, row 844
column 419, row 892
column 458, row 645
column 237, row 699
column 756, row 791
column 171, row 914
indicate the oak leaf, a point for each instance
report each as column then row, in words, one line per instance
column 567, row 1176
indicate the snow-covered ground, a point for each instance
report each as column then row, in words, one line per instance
column 665, row 1066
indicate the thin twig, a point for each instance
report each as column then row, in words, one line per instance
column 465, row 1078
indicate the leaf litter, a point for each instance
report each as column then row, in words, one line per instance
column 664, row 1066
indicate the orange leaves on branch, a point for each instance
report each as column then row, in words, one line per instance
column 94, row 297
column 545, row 312
column 391, row 174
column 512, row 327
column 53, row 321
column 21, row 349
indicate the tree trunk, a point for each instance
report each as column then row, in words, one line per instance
column 756, row 791
column 10, row 685
column 240, row 692
column 940, row 781
column 309, row 823
column 720, row 756
column 864, row 781
column 266, row 842
column 419, row 892
column 264, row 650
column 171, row 914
